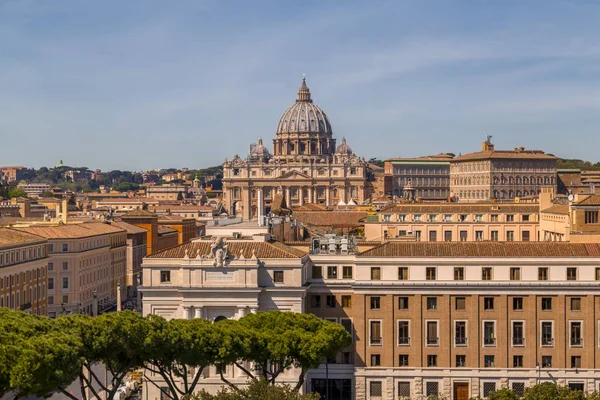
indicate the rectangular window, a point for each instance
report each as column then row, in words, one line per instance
column 65, row 299
column 546, row 361
column 525, row 218
column 65, row 247
column 519, row 388
column 278, row 276
column 432, row 333
column 65, row 265
column 571, row 274
column 315, row 301
column 517, row 361
column 576, row 333
column 597, row 274
column 478, row 236
column 346, row 301
column 461, row 360
column 402, row 273
column 403, row 390
column 510, row 218
column 510, row 236
column 430, row 273
column 165, row 276
column 432, row 389
column 460, row 333
column 375, row 360
column 317, row 272
column 50, row 266
column 375, row 273
column 542, row 273
column 447, row 236
column 432, row 360
column 347, row 272
column 375, row 302
column 418, row 236
column 489, row 333
column 432, row 303
column 488, row 303
column 433, row 236
column 347, row 357
column 461, row 303
column 375, row 388
column 50, row 283
column 515, row 274
column 459, row 274
column 575, row 361
column 330, row 301
column 65, row 284
column 494, row 236
column 332, row 272
column 403, row 333
column 486, row 273
column 494, row 218
column 575, row 303
column 546, row 303
column 403, row 360
column 488, row 362
column 547, row 337
column 347, row 324
column 525, row 236
column 591, row 217
column 518, row 332
column 517, row 304
column 375, row 332
column 463, row 236
column 403, row 303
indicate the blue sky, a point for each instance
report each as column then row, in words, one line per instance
column 150, row 84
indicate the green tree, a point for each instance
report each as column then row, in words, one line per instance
column 257, row 390
column 551, row 391
column 503, row 394
column 16, row 192
column 275, row 341
column 179, row 347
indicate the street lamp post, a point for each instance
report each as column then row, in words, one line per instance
column 538, row 369
column 119, row 295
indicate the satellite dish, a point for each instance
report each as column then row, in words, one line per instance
column 571, row 197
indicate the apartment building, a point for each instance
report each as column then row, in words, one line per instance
column 455, row 222
column 137, row 248
column 452, row 319
column 23, row 269
column 87, row 263
column 429, row 177
column 167, row 192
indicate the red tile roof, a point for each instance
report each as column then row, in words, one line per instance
column 248, row 248
column 338, row 219
column 74, row 231
column 11, row 237
column 505, row 154
column 484, row 249
column 592, row 200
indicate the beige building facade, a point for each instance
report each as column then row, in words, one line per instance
column 500, row 174
column 305, row 167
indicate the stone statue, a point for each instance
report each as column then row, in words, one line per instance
column 219, row 252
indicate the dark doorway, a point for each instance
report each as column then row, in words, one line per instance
column 339, row 389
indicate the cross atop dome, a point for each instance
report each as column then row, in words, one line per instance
column 304, row 92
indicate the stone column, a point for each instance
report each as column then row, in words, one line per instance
column 198, row 311
column 246, row 203
column 327, row 196
column 288, row 200
column 310, row 194
column 186, row 313
column 253, row 310
column 301, row 194
column 241, row 312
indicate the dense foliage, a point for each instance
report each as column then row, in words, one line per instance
column 257, row 390
column 40, row 356
column 578, row 164
column 542, row 391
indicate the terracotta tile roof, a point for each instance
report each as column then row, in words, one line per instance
column 592, row 200
column 435, row 158
column 345, row 219
column 557, row 209
column 139, row 214
column 173, row 218
column 74, row 231
column 460, row 208
column 261, row 249
column 128, row 227
column 11, row 237
column 484, row 249
column 178, row 208
column 505, row 154
column 165, row 230
column 310, row 207
column 128, row 200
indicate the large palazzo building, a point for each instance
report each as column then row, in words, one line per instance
column 456, row 320
column 305, row 166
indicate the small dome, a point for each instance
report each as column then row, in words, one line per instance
column 259, row 150
column 304, row 116
column 343, row 148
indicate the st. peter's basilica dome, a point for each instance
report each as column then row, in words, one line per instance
column 303, row 116
column 343, row 148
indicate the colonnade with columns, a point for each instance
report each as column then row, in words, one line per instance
column 191, row 312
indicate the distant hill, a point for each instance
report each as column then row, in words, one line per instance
column 578, row 164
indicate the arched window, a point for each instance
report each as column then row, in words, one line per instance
column 220, row 318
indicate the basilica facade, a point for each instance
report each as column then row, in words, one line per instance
column 305, row 166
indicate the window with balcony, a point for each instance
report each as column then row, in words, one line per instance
column 375, row 333
column 486, row 273
column 332, row 272
column 403, row 333
column 542, row 274
column 459, row 273
column 432, row 303
column 460, row 333
column 461, row 361
column 402, row 273
column 488, row 303
column 489, row 333
column 547, row 334
column 430, row 273
column 515, row 274
column 432, row 333
column 347, row 272
column 375, row 273
column 460, row 303
column 518, row 333
column 375, row 302
column 403, row 303
column 576, row 334
column 571, row 274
